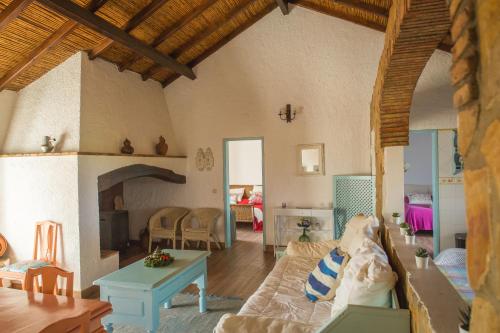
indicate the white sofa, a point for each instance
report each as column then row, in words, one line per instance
column 280, row 305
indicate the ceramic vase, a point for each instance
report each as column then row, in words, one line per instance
column 304, row 238
column 397, row 220
column 422, row 262
column 402, row 231
column 410, row 240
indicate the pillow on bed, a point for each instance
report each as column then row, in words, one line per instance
column 325, row 278
column 356, row 230
column 239, row 192
column 367, row 279
column 420, row 199
column 256, row 198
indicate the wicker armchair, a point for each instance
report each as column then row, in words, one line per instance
column 199, row 226
column 170, row 217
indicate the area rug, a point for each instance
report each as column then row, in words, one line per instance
column 185, row 317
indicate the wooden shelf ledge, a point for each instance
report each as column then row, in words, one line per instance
column 79, row 153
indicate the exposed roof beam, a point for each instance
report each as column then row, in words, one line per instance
column 94, row 22
column 283, row 4
column 170, row 31
column 46, row 46
column 133, row 23
column 235, row 11
column 212, row 49
column 36, row 54
column 12, row 11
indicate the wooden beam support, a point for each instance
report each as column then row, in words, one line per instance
column 170, row 31
column 212, row 49
column 46, row 46
column 39, row 52
column 235, row 11
column 94, row 22
column 283, row 4
column 133, row 23
column 12, row 11
column 361, row 5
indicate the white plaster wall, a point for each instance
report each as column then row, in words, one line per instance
column 393, row 184
column 419, row 155
column 36, row 189
column 245, row 162
column 48, row 106
column 451, row 195
column 242, row 87
column 7, row 102
column 118, row 105
column 432, row 106
column 139, row 200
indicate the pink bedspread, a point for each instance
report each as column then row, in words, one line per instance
column 258, row 219
column 418, row 217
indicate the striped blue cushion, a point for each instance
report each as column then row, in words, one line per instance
column 322, row 281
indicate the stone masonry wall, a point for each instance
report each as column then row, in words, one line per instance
column 475, row 73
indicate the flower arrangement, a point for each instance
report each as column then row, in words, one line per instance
column 158, row 259
column 305, row 223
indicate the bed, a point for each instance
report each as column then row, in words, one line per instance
column 418, row 214
column 247, row 206
column 451, row 262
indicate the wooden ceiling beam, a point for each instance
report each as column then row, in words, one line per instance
column 12, row 11
column 235, row 11
column 170, row 31
column 39, row 52
column 361, row 5
column 212, row 49
column 283, row 4
column 133, row 23
column 94, row 22
column 45, row 47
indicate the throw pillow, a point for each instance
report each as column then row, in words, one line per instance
column 368, row 279
column 324, row 279
column 356, row 230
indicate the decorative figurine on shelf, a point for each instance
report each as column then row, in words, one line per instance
column 47, row 144
column 161, row 147
column 127, row 147
column 305, row 223
column 158, row 259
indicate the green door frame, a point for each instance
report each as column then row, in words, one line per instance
column 227, row 205
column 436, row 233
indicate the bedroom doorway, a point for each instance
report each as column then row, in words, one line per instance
column 421, row 188
column 244, row 190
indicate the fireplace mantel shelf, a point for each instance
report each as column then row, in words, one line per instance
column 72, row 153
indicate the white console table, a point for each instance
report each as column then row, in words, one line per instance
column 286, row 229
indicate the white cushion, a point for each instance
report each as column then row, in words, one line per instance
column 356, row 230
column 420, row 199
column 368, row 279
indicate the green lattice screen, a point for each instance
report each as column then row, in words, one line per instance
column 352, row 195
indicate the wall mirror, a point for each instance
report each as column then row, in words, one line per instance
column 311, row 159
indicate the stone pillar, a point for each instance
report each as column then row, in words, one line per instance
column 475, row 73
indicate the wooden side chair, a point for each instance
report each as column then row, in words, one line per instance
column 199, row 225
column 49, row 275
column 163, row 223
column 44, row 252
column 81, row 322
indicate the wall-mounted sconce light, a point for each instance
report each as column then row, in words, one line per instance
column 287, row 114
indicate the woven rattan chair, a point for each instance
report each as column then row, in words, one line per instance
column 163, row 223
column 199, row 226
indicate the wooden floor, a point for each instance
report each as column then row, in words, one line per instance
column 235, row 272
column 244, row 232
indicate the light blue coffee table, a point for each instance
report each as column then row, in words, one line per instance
column 137, row 292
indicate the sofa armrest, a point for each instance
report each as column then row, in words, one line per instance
column 311, row 250
column 231, row 323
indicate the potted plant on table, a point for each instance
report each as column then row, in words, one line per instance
column 422, row 258
column 305, row 223
column 396, row 218
column 403, row 227
column 465, row 316
column 158, row 259
column 409, row 237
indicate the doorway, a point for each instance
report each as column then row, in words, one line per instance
column 244, row 190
